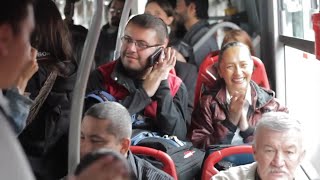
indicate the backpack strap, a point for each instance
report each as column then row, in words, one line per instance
column 42, row 96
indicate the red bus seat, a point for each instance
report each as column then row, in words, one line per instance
column 166, row 160
column 208, row 75
column 208, row 169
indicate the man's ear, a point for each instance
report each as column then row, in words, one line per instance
column 303, row 154
column 125, row 145
column 6, row 35
column 166, row 42
column 192, row 9
column 254, row 152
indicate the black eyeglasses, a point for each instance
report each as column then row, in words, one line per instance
column 140, row 45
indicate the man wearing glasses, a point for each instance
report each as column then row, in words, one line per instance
column 151, row 92
column 108, row 35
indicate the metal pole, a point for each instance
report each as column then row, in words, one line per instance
column 122, row 24
column 81, row 84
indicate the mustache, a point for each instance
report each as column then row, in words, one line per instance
column 130, row 54
column 276, row 171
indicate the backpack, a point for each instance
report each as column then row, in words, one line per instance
column 187, row 159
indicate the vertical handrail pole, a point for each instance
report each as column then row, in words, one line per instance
column 81, row 84
column 122, row 24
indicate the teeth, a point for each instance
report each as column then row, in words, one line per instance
column 238, row 79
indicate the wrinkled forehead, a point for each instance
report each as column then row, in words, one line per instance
column 284, row 138
column 235, row 52
column 139, row 33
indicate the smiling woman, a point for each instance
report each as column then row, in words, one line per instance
column 230, row 111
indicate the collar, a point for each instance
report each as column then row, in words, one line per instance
column 121, row 78
column 248, row 95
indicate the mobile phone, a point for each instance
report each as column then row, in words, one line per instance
column 154, row 58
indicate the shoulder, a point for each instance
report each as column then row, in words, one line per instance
column 150, row 171
column 237, row 173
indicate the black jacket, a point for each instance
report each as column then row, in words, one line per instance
column 45, row 140
column 142, row 169
column 171, row 113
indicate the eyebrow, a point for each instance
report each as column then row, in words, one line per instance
column 138, row 40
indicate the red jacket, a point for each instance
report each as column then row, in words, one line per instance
column 210, row 121
column 167, row 108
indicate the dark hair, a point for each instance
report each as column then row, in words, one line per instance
column 201, row 8
column 51, row 33
column 165, row 5
column 13, row 12
column 109, row 5
column 240, row 36
column 92, row 157
column 148, row 21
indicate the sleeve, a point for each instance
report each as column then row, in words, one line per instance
column 20, row 107
column 209, row 124
column 172, row 112
column 95, row 81
column 273, row 106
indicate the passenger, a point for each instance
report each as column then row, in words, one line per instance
column 16, row 26
column 108, row 125
column 19, row 103
column 194, row 15
column 109, row 32
column 158, row 98
column 228, row 113
column 278, row 150
column 114, row 163
column 185, row 71
column 239, row 36
column 45, row 139
column 78, row 32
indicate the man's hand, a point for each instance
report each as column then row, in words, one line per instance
column 160, row 71
column 27, row 72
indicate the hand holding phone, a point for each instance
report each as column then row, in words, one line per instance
column 154, row 57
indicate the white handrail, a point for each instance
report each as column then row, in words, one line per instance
column 122, row 24
column 81, row 84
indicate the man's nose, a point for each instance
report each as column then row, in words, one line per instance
column 278, row 160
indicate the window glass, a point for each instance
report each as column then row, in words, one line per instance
column 296, row 18
column 302, row 81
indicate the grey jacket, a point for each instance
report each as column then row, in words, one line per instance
column 192, row 37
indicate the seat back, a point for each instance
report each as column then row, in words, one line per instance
column 237, row 153
column 208, row 75
column 165, row 159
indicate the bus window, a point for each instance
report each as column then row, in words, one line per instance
column 296, row 18
column 302, row 93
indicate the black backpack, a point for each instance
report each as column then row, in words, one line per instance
column 187, row 159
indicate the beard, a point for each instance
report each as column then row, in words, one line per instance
column 115, row 21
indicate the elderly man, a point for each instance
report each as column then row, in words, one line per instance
column 143, row 82
column 278, row 150
column 108, row 125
